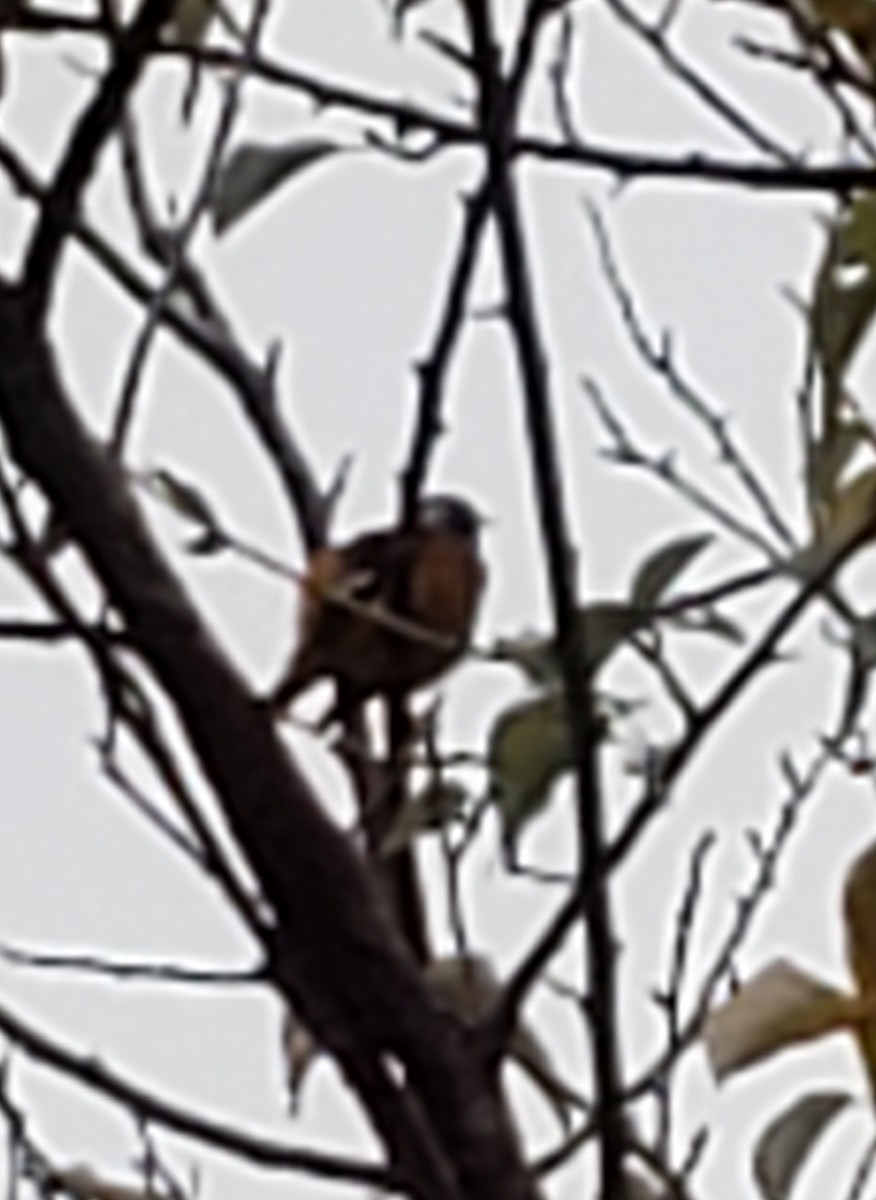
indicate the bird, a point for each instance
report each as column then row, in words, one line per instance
column 388, row 612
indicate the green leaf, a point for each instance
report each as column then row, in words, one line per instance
column 605, row 625
column 849, row 520
column 532, row 653
column 190, row 19
column 864, row 640
column 528, row 751
column 661, row 568
column 639, row 1187
column 832, row 455
column 252, row 172
column 430, row 809
column 789, row 1139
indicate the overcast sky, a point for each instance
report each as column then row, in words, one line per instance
column 347, row 269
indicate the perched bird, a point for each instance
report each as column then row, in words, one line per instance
column 390, row 611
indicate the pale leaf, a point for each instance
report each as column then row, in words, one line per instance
column 780, row 1007
column 83, row 1183
column 859, row 914
column 790, row 1137
column 859, row 919
column 466, row 983
column 529, row 1051
column 470, row 987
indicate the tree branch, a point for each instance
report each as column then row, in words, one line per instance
column 364, row 1000
column 226, row 1137
column 496, row 118
column 95, row 126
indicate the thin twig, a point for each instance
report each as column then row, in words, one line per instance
column 659, row 359
column 670, row 997
column 664, row 468
column 863, row 1172
column 116, row 969
column 432, row 370
column 92, row 130
column 184, row 233
column 226, row 1137
column 728, row 111
column 591, row 892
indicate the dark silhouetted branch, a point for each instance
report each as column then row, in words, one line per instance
column 225, row 1137
column 95, row 126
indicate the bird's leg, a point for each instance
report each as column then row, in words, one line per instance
column 343, row 707
column 399, row 871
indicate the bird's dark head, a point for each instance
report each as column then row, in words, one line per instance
column 449, row 514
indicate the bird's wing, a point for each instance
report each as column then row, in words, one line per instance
column 377, row 568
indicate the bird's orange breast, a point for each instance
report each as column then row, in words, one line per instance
column 446, row 586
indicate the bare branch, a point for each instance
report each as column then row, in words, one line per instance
column 115, row 969
column 226, row 1137
column 497, row 125
column 432, row 370
column 95, row 126
column 659, row 358
column 729, row 111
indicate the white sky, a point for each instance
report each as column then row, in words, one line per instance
column 347, row 268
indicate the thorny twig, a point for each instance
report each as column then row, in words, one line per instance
column 90, row 134
column 126, row 702
column 660, row 360
column 665, row 468
column 592, row 891
column 669, row 998
column 178, row 243
column 728, row 111
column 768, row 855
column 432, row 370
column 853, row 127
column 228, row 1138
